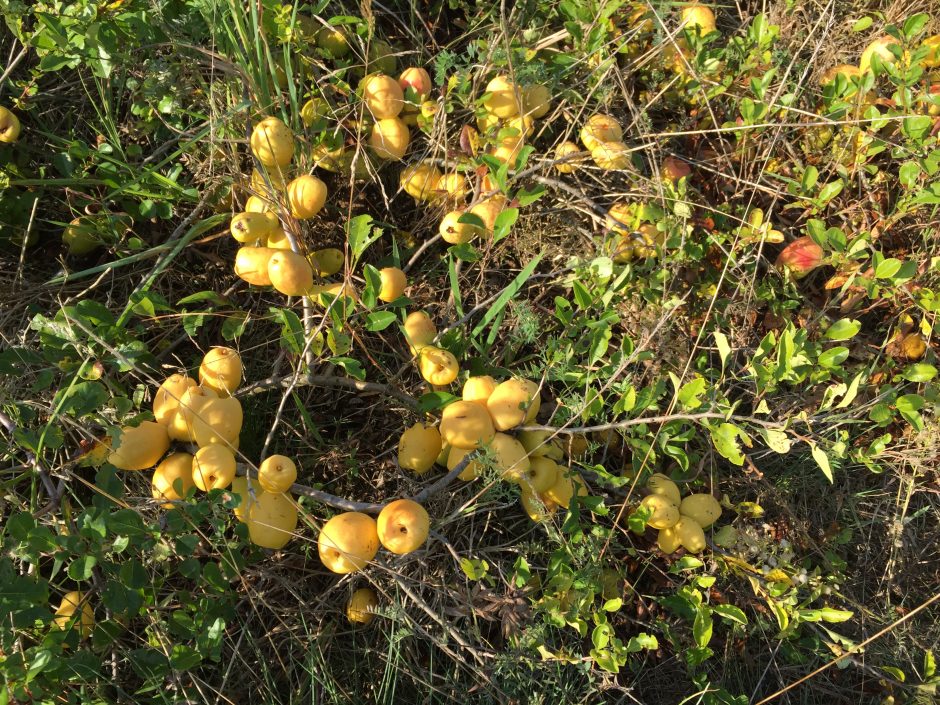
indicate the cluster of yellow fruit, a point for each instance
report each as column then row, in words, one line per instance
column 634, row 236
column 602, row 136
column 267, row 257
column 681, row 521
column 677, row 56
column 509, row 115
column 349, row 541
column 437, row 366
column 881, row 47
column 394, row 105
column 206, row 413
column 479, row 421
column 267, row 506
column 508, row 120
column 9, row 126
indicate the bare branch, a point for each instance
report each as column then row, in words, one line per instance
column 366, row 507
column 654, row 419
column 311, row 380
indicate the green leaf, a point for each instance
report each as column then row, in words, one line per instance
column 523, row 572
column 504, row 221
column 41, row 659
column 702, row 626
column 851, row 392
column 380, row 320
column 914, row 24
column 920, row 372
column 93, row 312
column 822, row 460
column 82, row 398
column 605, row 660
column 642, row 642
column 908, row 173
column 15, row 361
column 183, row 657
column 360, row 234
column 810, row 177
column 730, row 613
column 352, row 367
column 895, row 673
column 725, row 438
column 192, row 322
column 498, row 170
column 126, row 522
column 370, row 292
column 862, row 24
column 780, row 613
column 930, row 665
column 19, row 526
column 690, row 392
column 234, row 325
column 81, row 567
column 776, row 440
column 338, row 341
column 292, row 330
column 843, row 329
column 834, row 616
column 601, row 636
column 526, row 198
column 465, row 252
column 515, row 286
column 909, row 405
column 19, row 591
column 833, row 357
column 432, row 401
column 212, row 296
column 636, row 520
column 148, row 303
column 888, row 268
column 724, row 348
column 686, row 563
column 472, row 219
column 474, row 568
column 917, row 128
column 830, row 191
column 582, row 297
column 807, row 615
column 626, row 401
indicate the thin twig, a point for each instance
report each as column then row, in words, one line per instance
column 853, row 650
column 13, row 64
column 366, row 507
column 441, row 484
column 655, row 419
column 312, row 380
column 54, row 495
column 436, row 617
